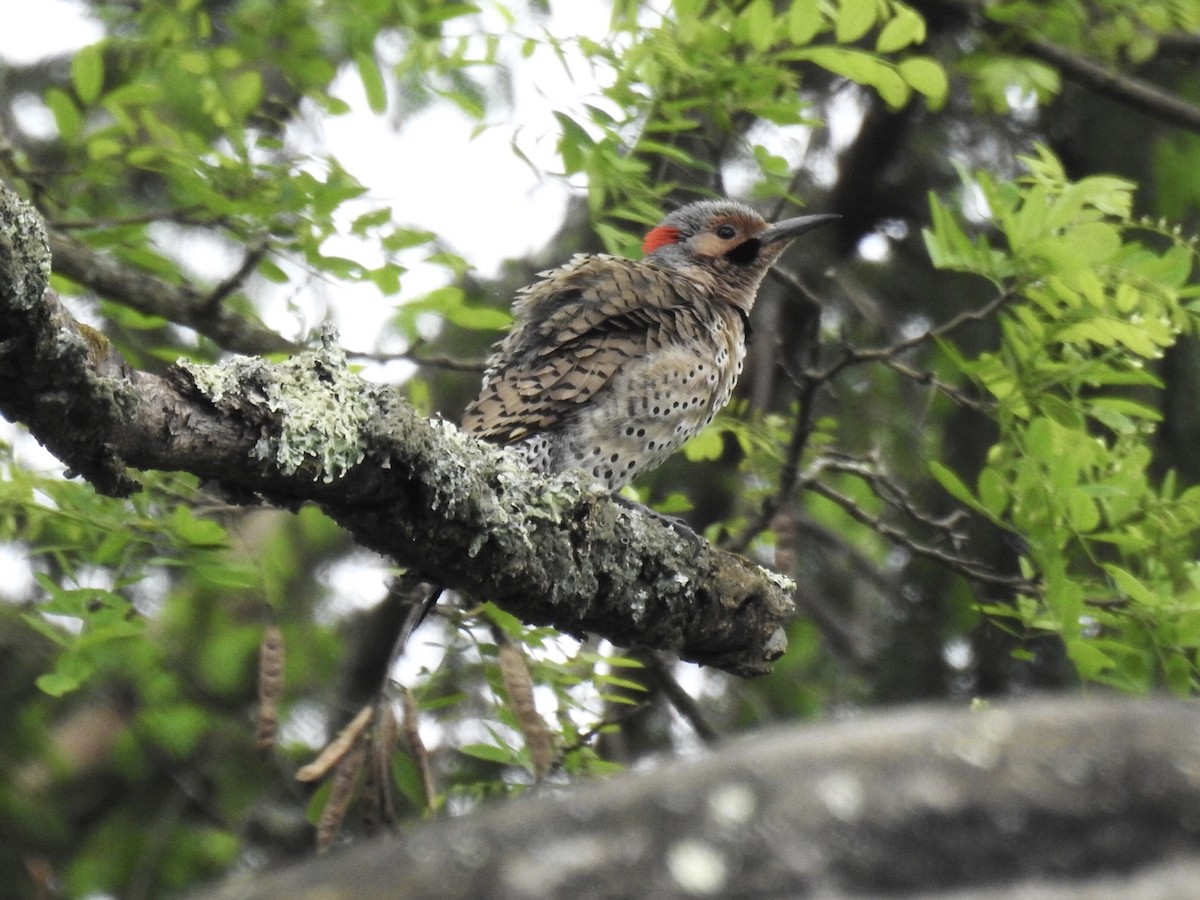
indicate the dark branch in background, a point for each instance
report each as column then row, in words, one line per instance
column 1136, row 93
column 1070, row 798
column 687, row 707
column 148, row 294
column 1180, row 44
column 928, row 379
column 1142, row 95
column 177, row 216
column 451, row 509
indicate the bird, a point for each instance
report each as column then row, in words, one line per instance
column 612, row 364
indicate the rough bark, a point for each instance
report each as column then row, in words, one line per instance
column 453, row 510
column 1051, row 798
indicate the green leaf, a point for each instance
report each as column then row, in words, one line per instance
column 1091, row 243
column 479, row 318
column 862, row 67
column 1089, row 659
column 573, row 144
column 1039, row 439
column 443, row 12
column 196, row 532
column 177, row 728
column 890, row 86
column 87, row 72
column 905, row 28
column 386, row 278
column 491, row 753
column 57, row 684
column 760, row 24
column 804, row 21
column 244, row 92
column 1187, row 629
column 854, row 19
column 505, row 621
column 1132, row 587
column 407, row 778
column 272, row 272
column 953, row 485
column 707, row 445
column 67, row 116
column 1082, row 511
column 926, row 76
column 993, row 491
column 372, row 81
column 101, row 147
column 195, row 63
column 1127, row 407
column 373, row 219
column 674, row 503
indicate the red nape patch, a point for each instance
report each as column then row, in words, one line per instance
column 660, row 237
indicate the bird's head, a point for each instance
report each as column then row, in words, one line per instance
column 724, row 244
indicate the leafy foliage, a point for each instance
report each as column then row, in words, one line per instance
column 1111, row 548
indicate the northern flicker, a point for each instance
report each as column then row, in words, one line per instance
column 612, row 364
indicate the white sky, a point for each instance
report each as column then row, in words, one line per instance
column 475, row 194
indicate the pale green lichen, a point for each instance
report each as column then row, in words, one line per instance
column 317, row 406
column 24, row 252
column 781, row 581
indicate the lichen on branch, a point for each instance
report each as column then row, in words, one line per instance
column 552, row 551
column 321, row 407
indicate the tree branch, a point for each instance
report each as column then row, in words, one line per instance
column 180, row 303
column 1137, row 93
column 1142, row 95
column 1065, row 798
column 964, row 566
column 455, row 511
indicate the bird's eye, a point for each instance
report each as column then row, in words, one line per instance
column 725, row 232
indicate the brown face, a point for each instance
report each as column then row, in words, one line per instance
column 732, row 237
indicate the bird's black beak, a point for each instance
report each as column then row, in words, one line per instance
column 790, row 228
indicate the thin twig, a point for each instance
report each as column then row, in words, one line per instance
column 178, row 216
column 793, row 283
column 927, row 378
column 887, row 490
column 227, row 286
column 971, row 569
column 448, row 363
column 852, row 356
